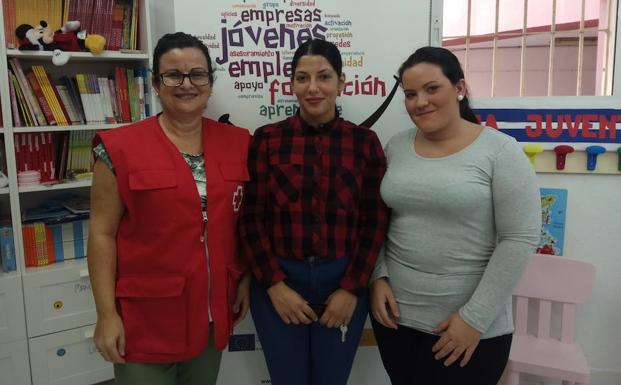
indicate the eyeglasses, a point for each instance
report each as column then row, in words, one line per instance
column 176, row 78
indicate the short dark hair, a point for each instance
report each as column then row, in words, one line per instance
column 451, row 68
column 321, row 48
column 179, row 40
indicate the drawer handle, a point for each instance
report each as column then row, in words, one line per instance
column 84, row 273
column 89, row 333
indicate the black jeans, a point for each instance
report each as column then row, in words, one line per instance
column 408, row 359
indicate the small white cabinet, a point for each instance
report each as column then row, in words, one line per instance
column 14, row 367
column 58, row 297
column 12, row 323
column 67, row 358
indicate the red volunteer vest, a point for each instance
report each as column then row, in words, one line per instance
column 164, row 287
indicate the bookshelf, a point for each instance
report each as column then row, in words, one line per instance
column 56, row 186
column 31, row 326
column 74, row 127
column 80, row 56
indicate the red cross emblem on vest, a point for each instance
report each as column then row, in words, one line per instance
column 238, row 195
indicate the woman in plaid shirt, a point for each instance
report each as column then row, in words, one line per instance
column 311, row 227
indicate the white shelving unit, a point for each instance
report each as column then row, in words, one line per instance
column 48, row 310
column 56, row 186
column 81, row 56
column 75, row 127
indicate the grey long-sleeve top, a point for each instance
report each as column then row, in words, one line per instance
column 461, row 231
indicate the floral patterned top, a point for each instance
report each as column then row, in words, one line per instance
column 195, row 162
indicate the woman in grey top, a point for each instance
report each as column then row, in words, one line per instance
column 465, row 217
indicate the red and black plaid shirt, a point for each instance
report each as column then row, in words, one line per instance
column 314, row 192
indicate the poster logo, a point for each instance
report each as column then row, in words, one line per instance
column 238, row 196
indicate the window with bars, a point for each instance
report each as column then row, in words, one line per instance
column 533, row 48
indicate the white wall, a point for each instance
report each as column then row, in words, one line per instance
column 162, row 18
column 593, row 234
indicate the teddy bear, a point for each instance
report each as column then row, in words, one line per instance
column 62, row 41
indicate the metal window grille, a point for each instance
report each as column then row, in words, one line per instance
column 605, row 41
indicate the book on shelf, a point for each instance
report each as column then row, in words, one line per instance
column 8, row 248
column 43, row 248
column 29, row 96
column 48, row 96
column 115, row 20
column 38, row 244
column 134, row 24
column 77, row 204
column 117, row 26
column 43, row 103
column 27, row 119
column 69, row 238
column 142, row 76
column 8, row 10
column 62, row 149
column 65, row 208
column 54, row 93
column 56, row 155
column 114, row 100
column 54, row 240
column 74, row 94
column 104, row 91
column 132, row 95
column 122, row 93
column 97, row 95
column 48, row 158
column 79, row 155
column 51, row 233
column 15, row 109
column 35, row 151
column 3, row 180
column 86, row 98
column 66, row 100
column 37, row 99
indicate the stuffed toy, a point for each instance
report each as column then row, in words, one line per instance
column 95, row 43
column 63, row 41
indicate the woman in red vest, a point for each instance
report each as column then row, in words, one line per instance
column 162, row 250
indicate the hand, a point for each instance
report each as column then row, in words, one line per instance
column 340, row 306
column 458, row 338
column 242, row 302
column 290, row 306
column 383, row 304
column 110, row 338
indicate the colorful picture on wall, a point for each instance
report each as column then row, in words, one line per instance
column 553, row 208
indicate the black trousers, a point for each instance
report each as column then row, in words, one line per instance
column 408, row 359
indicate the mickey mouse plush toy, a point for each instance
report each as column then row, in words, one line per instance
column 68, row 38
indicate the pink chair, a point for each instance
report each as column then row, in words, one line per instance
column 549, row 279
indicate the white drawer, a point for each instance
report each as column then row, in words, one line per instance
column 58, row 298
column 12, row 322
column 67, row 358
column 14, row 368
